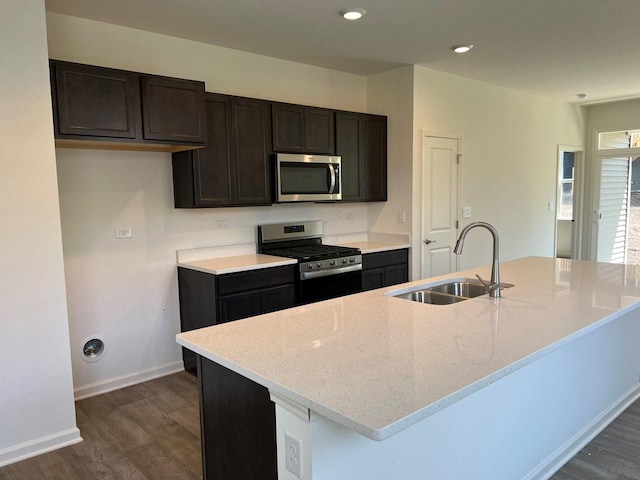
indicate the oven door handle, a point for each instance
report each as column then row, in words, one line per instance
column 332, row 271
column 332, row 177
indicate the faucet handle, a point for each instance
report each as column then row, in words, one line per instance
column 490, row 286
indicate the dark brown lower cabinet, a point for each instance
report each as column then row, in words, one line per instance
column 382, row 269
column 238, row 426
column 207, row 299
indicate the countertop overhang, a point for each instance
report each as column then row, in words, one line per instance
column 378, row 364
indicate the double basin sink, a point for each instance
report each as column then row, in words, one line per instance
column 453, row 291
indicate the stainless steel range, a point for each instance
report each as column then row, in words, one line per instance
column 324, row 271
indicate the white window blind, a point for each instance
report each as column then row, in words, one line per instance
column 613, row 210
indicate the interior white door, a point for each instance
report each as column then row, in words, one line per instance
column 439, row 205
column 613, row 210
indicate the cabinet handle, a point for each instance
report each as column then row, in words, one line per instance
column 427, row 241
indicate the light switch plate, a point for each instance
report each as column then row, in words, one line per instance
column 466, row 212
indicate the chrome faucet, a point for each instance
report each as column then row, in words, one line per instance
column 494, row 285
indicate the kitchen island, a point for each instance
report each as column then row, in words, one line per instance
column 370, row 386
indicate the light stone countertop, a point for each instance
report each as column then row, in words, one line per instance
column 374, row 247
column 239, row 263
column 378, row 364
column 243, row 263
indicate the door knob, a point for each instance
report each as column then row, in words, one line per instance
column 427, row 241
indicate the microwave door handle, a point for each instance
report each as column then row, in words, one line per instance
column 332, row 176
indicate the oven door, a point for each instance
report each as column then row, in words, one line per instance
column 323, row 285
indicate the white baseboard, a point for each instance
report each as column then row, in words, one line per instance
column 32, row 448
column 554, row 462
column 104, row 386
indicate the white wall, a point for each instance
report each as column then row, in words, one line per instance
column 509, row 144
column 36, row 395
column 391, row 93
column 126, row 290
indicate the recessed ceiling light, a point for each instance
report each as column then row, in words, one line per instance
column 461, row 48
column 353, row 13
column 582, row 95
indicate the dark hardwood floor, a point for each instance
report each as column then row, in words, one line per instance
column 151, row 431
column 612, row 455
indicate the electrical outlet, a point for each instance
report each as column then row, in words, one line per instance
column 124, row 232
column 293, row 454
column 402, row 216
column 222, row 224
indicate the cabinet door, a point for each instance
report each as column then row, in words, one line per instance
column 278, row 298
column 396, row 274
column 348, row 147
column 374, row 157
column 196, row 292
column 241, row 305
column 300, row 129
column 234, row 167
column 251, row 129
column 372, row 279
column 95, row 101
column 288, row 127
column 173, row 109
column 319, row 130
column 361, row 141
column 213, row 164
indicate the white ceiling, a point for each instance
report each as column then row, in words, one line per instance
column 552, row 48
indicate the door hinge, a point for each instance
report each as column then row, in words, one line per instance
column 457, row 225
column 458, row 158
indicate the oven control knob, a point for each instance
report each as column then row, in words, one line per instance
column 319, row 264
column 344, row 260
column 352, row 260
column 332, row 263
column 310, row 266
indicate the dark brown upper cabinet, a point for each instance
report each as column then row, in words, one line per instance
column 234, row 168
column 302, row 129
column 173, row 109
column 97, row 107
column 361, row 141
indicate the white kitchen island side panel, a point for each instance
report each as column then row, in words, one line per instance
column 525, row 425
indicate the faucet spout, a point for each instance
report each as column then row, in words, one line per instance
column 495, row 266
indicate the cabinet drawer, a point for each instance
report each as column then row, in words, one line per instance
column 257, row 302
column 385, row 259
column 255, row 279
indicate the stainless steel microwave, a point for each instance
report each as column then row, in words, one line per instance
column 308, row 178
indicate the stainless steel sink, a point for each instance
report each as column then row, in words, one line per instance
column 462, row 288
column 432, row 297
column 447, row 293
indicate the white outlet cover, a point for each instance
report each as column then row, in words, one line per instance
column 466, row 212
column 124, row 232
column 292, row 454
